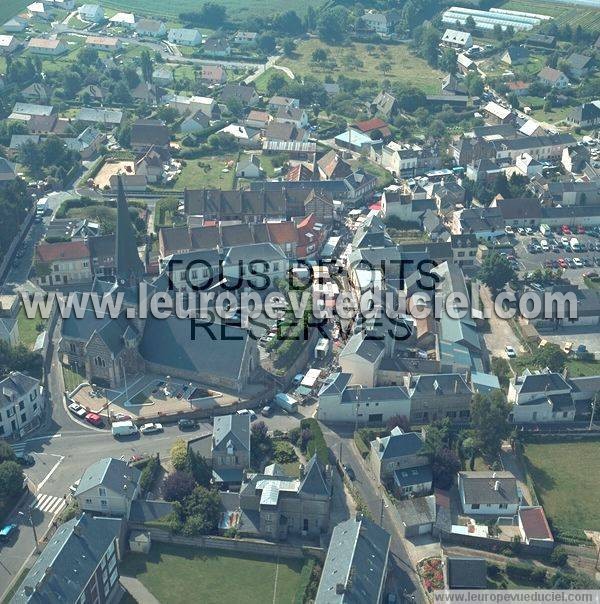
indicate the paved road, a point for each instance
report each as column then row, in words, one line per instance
column 340, row 441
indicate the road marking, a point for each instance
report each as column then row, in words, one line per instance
column 29, row 440
column 61, row 457
column 49, row 504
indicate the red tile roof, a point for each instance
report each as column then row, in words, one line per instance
column 68, row 250
column 534, row 523
column 372, row 124
column 282, row 232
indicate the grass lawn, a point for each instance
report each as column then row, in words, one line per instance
column 10, row 8
column 206, row 172
column 263, row 79
column 587, row 17
column 236, row 9
column 563, row 477
column 583, row 368
column 404, row 66
column 28, row 328
column 213, row 577
column 72, row 378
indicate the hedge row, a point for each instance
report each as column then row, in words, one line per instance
column 149, row 474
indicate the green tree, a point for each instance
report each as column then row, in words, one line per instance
column 496, row 272
column 267, row 43
column 475, row 84
column 288, row 23
column 179, row 454
column 320, row 55
column 551, row 356
column 288, row 47
column 146, row 65
column 11, row 480
column 333, row 24
column 6, row 452
column 276, row 83
column 201, row 512
column 213, row 15
column 198, row 467
column 448, row 61
column 489, row 418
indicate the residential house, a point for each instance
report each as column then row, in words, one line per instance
column 452, row 84
column 100, row 116
column 518, row 88
column 132, row 183
column 528, row 166
column 331, row 166
column 575, row 159
column 541, row 397
column 246, row 137
column 21, row 404
column 230, row 448
column 87, row 144
column 291, row 115
column 532, row 128
column 108, row 487
column 91, row 12
column 496, row 114
column 9, row 326
column 145, row 92
column 147, row 133
column 375, row 128
column 356, row 566
column 465, row 573
column 282, row 102
column 483, row 170
column 399, row 460
column 193, row 124
column 45, row 46
column 277, row 131
column 549, row 147
column 8, row 172
column 541, row 41
column 402, row 204
column 248, row 167
column 534, row 527
column 8, row 44
column 63, row 263
column 515, row 55
column 216, row 47
column 585, row 115
column 107, row 43
column 185, row 37
column 80, row 562
column 102, row 255
column 258, row 119
column 245, row 38
column 90, row 93
column 246, row 95
column 380, row 22
column 457, row 39
column 579, row 65
column 15, row 25
column 464, row 249
column 163, row 76
column 488, row 493
column 151, row 28
column 125, row 20
column 274, row 505
column 465, row 64
column 150, row 165
column 553, row 78
column 214, row 74
column 385, row 105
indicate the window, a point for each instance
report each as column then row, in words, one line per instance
column 102, row 492
column 474, row 506
column 88, row 501
column 503, row 506
column 23, row 418
column 103, row 503
column 21, row 405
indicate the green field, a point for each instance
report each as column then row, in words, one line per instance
column 403, row 66
column 212, row 577
column 236, row 9
column 588, row 18
column 10, row 8
column 28, row 328
column 205, row 173
column 564, row 475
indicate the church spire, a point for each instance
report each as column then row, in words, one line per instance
column 129, row 267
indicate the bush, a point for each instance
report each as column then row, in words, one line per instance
column 316, row 443
column 539, row 576
column 559, row 556
column 178, row 486
column 363, row 449
column 149, row 474
column 514, row 570
column 284, row 452
column 179, row 454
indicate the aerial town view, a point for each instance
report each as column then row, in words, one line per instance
column 299, row 301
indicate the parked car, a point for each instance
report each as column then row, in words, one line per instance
column 509, row 230
column 590, row 275
column 186, row 424
column 121, row 417
column 350, row 472
column 77, row 410
column 577, row 263
column 74, row 486
column 247, row 412
column 7, row 531
column 94, row 419
column 26, row 460
column 151, row 428
column 511, row 353
column 267, row 411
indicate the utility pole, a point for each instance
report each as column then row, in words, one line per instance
column 593, row 411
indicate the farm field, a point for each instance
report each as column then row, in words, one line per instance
column 10, row 8
column 403, row 66
column 213, row 577
column 236, row 9
column 587, row 17
column 561, row 475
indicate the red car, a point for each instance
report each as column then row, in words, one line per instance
column 565, row 229
column 581, row 230
column 562, row 263
column 94, row 419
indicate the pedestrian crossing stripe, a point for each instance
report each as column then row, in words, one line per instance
column 49, row 504
column 19, row 449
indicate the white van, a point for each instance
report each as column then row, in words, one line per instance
column 125, row 428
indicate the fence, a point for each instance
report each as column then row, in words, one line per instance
column 495, row 545
column 240, row 546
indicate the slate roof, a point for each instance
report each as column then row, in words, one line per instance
column 18, row 382
column 335, row 383
column 368, row 349
column 465, row 573
column 478, row 487
column 417, row 510
column 540, row 382
column 150, row 132
column 314, row 482
column 234, row 428
column 443, row 383
column 397, row 444
column 112, row 474
column 66, row 564
column 412, row 476
column 356, row 559
column 129, row 267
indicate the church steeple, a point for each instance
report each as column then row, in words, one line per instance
column 129, row 267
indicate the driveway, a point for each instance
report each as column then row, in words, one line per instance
column 501, row 332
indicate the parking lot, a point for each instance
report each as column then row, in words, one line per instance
column 529, row 255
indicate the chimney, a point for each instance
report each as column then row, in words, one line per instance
column 497, row 485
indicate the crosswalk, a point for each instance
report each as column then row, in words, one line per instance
column 49, row 504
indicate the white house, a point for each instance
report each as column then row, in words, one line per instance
column 248, row 167
column 8, row 44
column 292, row 115
column 541, row 397
column 553, row 78
column 45, row 46
column 91, row 12
column 21, row 404
column 151, row 28
column 381, row 23
column 457, row 39
column 528, row 166
column 108, row 487
column 488, row 493
column 15, row 25
column 185, row 37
